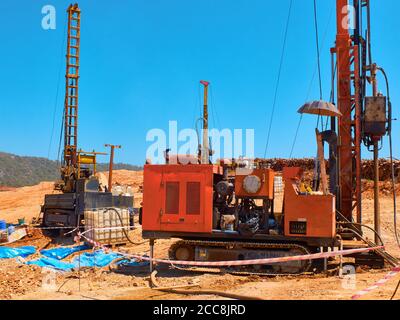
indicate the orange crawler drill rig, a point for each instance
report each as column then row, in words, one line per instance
column 226, row 212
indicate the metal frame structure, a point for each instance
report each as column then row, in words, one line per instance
column 350, row 105
column 71, row 87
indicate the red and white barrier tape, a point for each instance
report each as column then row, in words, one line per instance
column 243, row 262
column 264, row 261
column 392, row 274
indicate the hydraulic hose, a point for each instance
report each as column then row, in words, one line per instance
column 175, row 290
column 123, row 230
column 390, row 112
column 360, row 225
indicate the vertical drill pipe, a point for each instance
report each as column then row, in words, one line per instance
column 110, row 169
column 377, row 217
column 205, row 159
column 357, row 134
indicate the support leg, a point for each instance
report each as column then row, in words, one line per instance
column 152, row 241
column 325, row 260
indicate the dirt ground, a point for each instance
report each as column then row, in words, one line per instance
column 20, row 281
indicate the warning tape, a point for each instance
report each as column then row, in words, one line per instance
column 242, row 262
column 392, row 274
column 74, row 229
column 265, row 261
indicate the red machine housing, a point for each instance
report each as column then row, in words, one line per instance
column 178, row 198
column 307, row 215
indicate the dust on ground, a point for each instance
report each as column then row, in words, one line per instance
column 20, row 281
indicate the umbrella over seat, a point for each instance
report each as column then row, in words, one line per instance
column 321, row 108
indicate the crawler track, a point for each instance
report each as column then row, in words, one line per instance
column 272, row 270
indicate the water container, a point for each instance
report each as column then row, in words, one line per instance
column 129, row 191
column 3, row 225
column 116, row 191
column 105, row 226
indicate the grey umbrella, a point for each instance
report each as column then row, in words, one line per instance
column 321, row 108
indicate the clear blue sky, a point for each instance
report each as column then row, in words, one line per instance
column 141, row 61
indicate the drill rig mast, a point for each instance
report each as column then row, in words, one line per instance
column 69, row 170
column 80, row 187
column 365, row 119
column 349, row 102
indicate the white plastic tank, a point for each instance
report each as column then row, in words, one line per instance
column 117, row 190
column 129, row 191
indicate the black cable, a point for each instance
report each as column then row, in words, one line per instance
column 347, row 221
column 391, row 155
column 395, row 291
column 279, row 77
column 57, row 92
column 369, row 32
column 60, row 139
column 311, row 83
column 365, row 226
column 123, row 230
column 214, row 109
column 318, row 51
column 296, row 136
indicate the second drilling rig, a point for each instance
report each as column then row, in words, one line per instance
column 79, row 184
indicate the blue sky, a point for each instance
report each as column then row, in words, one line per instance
column 141, row 62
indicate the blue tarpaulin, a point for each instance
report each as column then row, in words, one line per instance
column 133, row 263
column 63, row 252
column 52, row 263
column 96, row 259
column 8, row 253
column 52, row 258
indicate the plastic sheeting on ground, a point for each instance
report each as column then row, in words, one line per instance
column 9, row 253
column 63, row 252
column 52, row 258
column 46, row 262
column 96, row 259
column 133, row 263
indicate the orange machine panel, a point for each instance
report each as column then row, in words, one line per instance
column 307, row 215
column 178, row 198
column 257, row 183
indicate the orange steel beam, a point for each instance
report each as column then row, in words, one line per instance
column 349, row 131
column 110, row 170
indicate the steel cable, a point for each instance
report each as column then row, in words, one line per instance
column 279, row 77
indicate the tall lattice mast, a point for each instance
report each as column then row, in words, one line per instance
column 349, row 103
column 71, row 89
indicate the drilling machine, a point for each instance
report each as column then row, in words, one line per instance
column 79, row 185
column 219, row 216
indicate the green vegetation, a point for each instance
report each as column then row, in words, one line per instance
column 16, row 171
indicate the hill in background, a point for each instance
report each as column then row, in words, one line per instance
column 17, row 171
